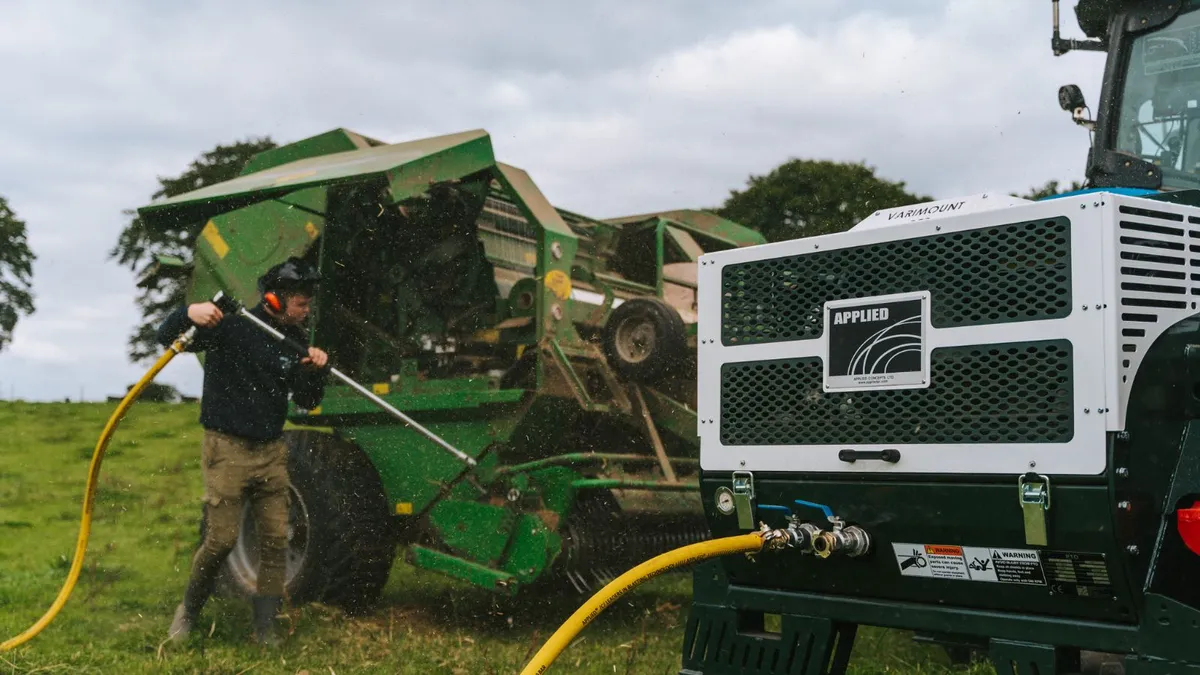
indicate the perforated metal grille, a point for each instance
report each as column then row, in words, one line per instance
column 1017, row 272
column 1001, row 393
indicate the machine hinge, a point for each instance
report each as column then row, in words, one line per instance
column 1034, row 490
column 743, row 496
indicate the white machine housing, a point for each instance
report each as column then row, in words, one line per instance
column 1120, row 303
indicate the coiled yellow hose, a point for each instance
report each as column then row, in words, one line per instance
column 85, row 521
column 653, row 567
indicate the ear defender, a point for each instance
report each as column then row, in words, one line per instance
column 273, row 300
column 292, row 274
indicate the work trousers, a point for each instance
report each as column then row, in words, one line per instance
column 238, row 471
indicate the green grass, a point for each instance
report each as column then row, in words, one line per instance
column 143, row 533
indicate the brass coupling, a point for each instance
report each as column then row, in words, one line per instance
column 850, row 541
column 775, row 539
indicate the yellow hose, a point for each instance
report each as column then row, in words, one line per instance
column 653, row 567
column 85, row 521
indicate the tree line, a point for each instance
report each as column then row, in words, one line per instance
column 798, row 198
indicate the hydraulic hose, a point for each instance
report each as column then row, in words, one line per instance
column 686, row 555
column 89, row 495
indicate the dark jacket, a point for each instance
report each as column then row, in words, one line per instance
column 248, row 374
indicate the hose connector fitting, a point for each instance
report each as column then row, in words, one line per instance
column 850, row 541
column 802, row 536
column 774, row 539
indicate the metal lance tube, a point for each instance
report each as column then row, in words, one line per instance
column 367, row 393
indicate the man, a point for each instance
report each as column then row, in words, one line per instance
column 248, row 376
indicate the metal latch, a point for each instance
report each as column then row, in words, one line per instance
column 743, row 495
column 1035, row 502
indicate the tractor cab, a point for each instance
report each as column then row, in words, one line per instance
column 1147, row 125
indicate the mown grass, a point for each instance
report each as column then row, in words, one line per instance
column 143, row 534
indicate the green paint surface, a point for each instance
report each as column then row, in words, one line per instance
column 328, row 143
column 473, row 573
column 534, row 547
column 385, row 161
column 473, row 530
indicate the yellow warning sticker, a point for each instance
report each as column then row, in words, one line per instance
column 380, row 388
column 559, row 284
column 214, row 239
column 404, row 508
column 489, row 336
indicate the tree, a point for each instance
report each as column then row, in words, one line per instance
column 138, row 245
column 157, row 392
column 1049, row 190
column 802, row 198
column 16, row 273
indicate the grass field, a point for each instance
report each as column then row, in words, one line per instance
column 144, row 531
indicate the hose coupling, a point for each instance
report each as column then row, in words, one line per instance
column 850, row 541
column 802, row 536
column 775, row 539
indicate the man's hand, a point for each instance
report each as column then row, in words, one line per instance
column 205, row 314
column 316, row 359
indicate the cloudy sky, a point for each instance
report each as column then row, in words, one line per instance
column 613, row 107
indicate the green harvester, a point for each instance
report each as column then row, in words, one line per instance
column 556, row 350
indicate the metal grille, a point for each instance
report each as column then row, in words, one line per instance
column 1017, row 272
column 506, row 217
column 999, row 393
column 1154, row 271
column 509, row 237
column 502, row 247
column 719, row 640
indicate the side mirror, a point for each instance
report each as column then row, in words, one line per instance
column 1070, row 97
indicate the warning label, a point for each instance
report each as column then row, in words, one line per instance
column 1005, row 565
column 970, row 563
column 924, row 560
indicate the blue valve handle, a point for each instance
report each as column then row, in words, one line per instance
column 783, row 509
column 828, row 511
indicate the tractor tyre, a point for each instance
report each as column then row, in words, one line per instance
column 340, row 541
column 644, row 339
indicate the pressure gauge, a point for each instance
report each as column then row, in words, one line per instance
column 725, row 500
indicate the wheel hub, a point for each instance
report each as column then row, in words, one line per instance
column 243, row 559
column 635, row 340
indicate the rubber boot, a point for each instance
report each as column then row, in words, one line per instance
column 266, row 626
column 182, row 624
column 188, row 611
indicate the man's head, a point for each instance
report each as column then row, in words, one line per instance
column 288, row 289
column 294, row 307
